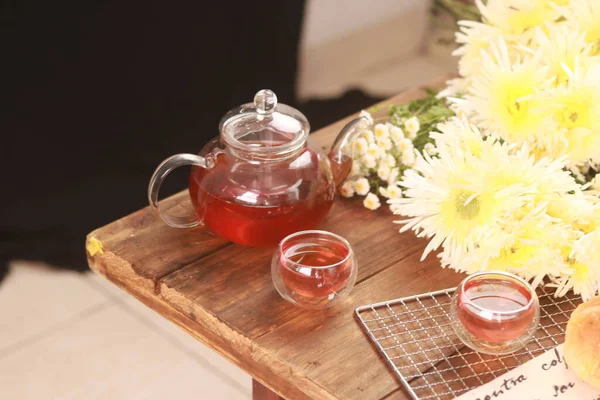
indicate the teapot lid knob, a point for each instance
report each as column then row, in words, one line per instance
column 265, row 101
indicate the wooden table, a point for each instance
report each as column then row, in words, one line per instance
column 221, row 293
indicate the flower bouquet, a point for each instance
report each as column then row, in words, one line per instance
column 499, row 170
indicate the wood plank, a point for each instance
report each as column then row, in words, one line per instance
column 245, row 273
column 151, row 248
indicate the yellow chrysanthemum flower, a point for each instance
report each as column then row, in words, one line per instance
column 584, row 270
column 531, row 249
column 501, row 98
column 585, row 15
column 458, row 199
column 514, row 17
column 473, row 38
column 575, row 109
column 558, row 47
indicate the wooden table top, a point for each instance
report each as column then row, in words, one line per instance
column 222, row 294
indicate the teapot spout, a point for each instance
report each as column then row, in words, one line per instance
column 341, row 153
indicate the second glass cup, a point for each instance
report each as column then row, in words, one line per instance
column 314, row 269
column 494, row 312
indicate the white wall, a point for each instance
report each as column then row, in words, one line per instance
column 375, row 45
column 326, row 20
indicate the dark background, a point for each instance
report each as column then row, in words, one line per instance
column 96, row 94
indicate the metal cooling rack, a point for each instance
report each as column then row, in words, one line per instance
column 415, row 336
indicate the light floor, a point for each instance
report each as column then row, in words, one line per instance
column 71, row 336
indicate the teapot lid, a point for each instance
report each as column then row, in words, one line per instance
column 264, row 127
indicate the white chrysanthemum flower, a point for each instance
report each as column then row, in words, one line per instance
column 467, row 194
column 347, row 189
column 390, row 161
column 369, row 161
column 395, row 208
column 585, row 15
column 474, row 37
column 361, row 186
column 385, row 145
column 595, row 185
column 393, row 177
column 360, row 146
column 394, row 192
column 381, row 132
column 405, row 145
column 430, row 149
column 500, row 97
column 584, row 272
column 408, row 158
column 355, row 170
column 515, row 17
column 575, row 108
column 371, row 202
column 455, row 87
column 383, row 172
column 374, row 151
column 559, row 47
column 396, row 134
column 531, row 248
column 412, row 126
column 383, row 191
column 367, row 115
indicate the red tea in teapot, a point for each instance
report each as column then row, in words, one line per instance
column 245, row 206
column 262, row 179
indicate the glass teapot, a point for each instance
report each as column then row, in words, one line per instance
column 262, row 179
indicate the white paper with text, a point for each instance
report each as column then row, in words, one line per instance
column 546, row 377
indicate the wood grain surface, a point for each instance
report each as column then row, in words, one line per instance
column 221, row 293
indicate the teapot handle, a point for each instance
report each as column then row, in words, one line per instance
column 161, row 172
column 341, row 153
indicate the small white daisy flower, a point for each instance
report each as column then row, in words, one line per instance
column 371, row 202
column 396, row 134
column 412, row 126
column 394, row 192
column 374, row 151
column 368, row 136
column 405, row 145
column 385, row 144
column 369, row 161
column 347, row 189
column 383, row 191
column 395, row 208
column 408, row 158
column 360, row 146
column 361, row 186
column 390, row 161
column 355, row 168
column 393, row 178
column 383, row 172
column 381, row 132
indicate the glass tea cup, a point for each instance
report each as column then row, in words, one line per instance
column 494, row 312
column 314, row 269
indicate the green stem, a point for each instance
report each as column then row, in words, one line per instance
column 459, row 10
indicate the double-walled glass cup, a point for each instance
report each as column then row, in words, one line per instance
column 314, row 269
column 495, row 312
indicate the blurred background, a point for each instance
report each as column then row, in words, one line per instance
column 97, row 94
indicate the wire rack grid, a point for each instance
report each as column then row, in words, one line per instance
column 415, row 336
